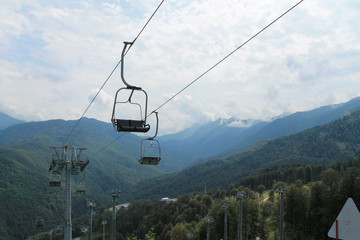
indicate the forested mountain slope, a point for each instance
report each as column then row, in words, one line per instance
column 25, row 156
column 335, row 141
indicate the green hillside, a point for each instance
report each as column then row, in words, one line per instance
column 24, row 194
column 325, row 144
column 25, row 156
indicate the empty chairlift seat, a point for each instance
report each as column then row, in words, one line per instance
column 55, row 180
column 130, row 105
column 150, row 148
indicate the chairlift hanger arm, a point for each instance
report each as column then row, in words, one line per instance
column 157, row 126
column 122, row 66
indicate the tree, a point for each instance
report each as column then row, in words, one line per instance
column 350, row 184
column 296, row 208
column 261, row 188
column 178, row 232
column 329, row 177
column 150, row 236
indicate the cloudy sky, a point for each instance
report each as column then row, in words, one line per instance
column 55, row 55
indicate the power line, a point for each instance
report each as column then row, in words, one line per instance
column 223, row 59
column 111, row 73
column 211, row 68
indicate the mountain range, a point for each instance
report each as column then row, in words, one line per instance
column 338, row 140
column 225, row 137
column 213, row 154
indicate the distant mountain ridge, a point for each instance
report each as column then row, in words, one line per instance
column 224, row 137
column 7, row 121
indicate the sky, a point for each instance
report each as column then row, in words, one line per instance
column 55, row 56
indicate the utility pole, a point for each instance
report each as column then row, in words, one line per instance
column 281, row 192
column 103, row 224
column 68, row 223
column 115, row 194
column 67, row 157
column 240, row 196
column 90, row 204
column 225, row 207
column 208, row 220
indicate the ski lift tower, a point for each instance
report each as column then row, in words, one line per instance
column 68, row 158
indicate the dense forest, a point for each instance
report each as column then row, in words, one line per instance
column 313, row 197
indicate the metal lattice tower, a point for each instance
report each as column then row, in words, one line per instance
column 67, row 157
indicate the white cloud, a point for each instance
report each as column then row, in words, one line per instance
column 102, row 98
column 54, row 54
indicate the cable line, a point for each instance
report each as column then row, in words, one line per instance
column 215, row 65
column 111, row 73
column 107, row 145
column 223, row 59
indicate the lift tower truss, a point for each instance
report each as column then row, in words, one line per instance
column 68, row 158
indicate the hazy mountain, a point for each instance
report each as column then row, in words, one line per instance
column 300, row 121
column 7, row 121
column 335, row 141
column 205, row 140
column 224, row 137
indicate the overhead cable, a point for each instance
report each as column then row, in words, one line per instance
column 111, row 73
column 223, row 59
column 212, row 67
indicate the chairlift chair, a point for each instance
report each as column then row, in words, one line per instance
column 58, row 230
column 130, row 97
column 84, row 229
column 80, row 188
column 39, row 222
column 55, row 179
column 150, row 151
column 75, row 170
